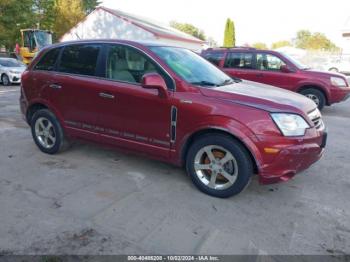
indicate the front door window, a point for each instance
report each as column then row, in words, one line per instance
column 268, row 62
column 127, row 65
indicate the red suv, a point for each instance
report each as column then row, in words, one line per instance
column 277, row 69
column 170, row 104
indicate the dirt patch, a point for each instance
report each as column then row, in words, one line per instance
column 85, row 241
column 59, row 164
column 105, row 194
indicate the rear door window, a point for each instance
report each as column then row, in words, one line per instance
column 80, row 59
column 48, row 61
column 214, row 57
column 240, row 60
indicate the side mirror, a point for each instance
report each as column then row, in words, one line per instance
column 155, row 81
column 285, row 69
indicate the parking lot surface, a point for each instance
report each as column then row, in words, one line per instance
column 96, row 200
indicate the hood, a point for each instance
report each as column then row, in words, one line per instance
column 266, row 97
column 19, row 69
column 322, row 73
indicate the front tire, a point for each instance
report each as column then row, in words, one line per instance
column 47, row 132
column 315, row 95
column 5, row 80
column 333, row 69
column 218, row 165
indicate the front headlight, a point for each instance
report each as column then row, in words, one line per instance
column 14, row 72
column 338, row 81
column 290, row 124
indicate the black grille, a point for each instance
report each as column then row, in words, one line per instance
column 316, row 118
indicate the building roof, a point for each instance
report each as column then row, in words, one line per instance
column 147, row 43
column 152, row 26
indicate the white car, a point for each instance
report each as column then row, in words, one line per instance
column 11, row 71
column 338, row 66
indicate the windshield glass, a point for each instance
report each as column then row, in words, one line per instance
column 297, row 63
column 191, row 67
column 43, row 38
column 11, row 63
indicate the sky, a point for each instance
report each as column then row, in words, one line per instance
column 265, row 21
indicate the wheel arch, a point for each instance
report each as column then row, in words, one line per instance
column 2, row 74
column 216, row 130
column 34, row 108
column 317, row 87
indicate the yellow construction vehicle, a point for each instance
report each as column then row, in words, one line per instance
column 32, row 41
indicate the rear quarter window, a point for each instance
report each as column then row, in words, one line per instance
column 214, row 57
column 80, row 59
column 48, row 61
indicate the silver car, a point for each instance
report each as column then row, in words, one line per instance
column 11, row 71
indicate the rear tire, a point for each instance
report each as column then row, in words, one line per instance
column 315, row 95
column 47, row 132
column 5, row 80
column 334, row 69
column 224, row 172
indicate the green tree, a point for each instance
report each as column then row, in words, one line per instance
column 189, row 29
column 55, row 15
column 14, row 15
column 44, row 13
column 229, row 35
column 314, row 41
column 259, row 45
column 279, row 44
column 303, row 38
column 90, row 5
column 67, row 14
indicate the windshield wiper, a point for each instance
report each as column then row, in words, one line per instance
column 236, row 79
column 204, row 83
column 227, row 82
column 230, row 81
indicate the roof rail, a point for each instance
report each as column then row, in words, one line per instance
column 223, row 47
column 243, row 47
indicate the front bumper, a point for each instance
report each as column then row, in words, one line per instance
column 293, row 157
column 23, row 104
column 15, row 78
column 346, row 97
column 339, row 95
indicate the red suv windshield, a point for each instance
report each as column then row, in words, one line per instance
column 191, row 67
column 296, row 62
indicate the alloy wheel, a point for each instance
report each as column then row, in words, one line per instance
column 313, row 98
column 45, row 132
column 216, row 167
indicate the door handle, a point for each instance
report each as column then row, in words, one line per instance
column 105, row 95
column 55, row 86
